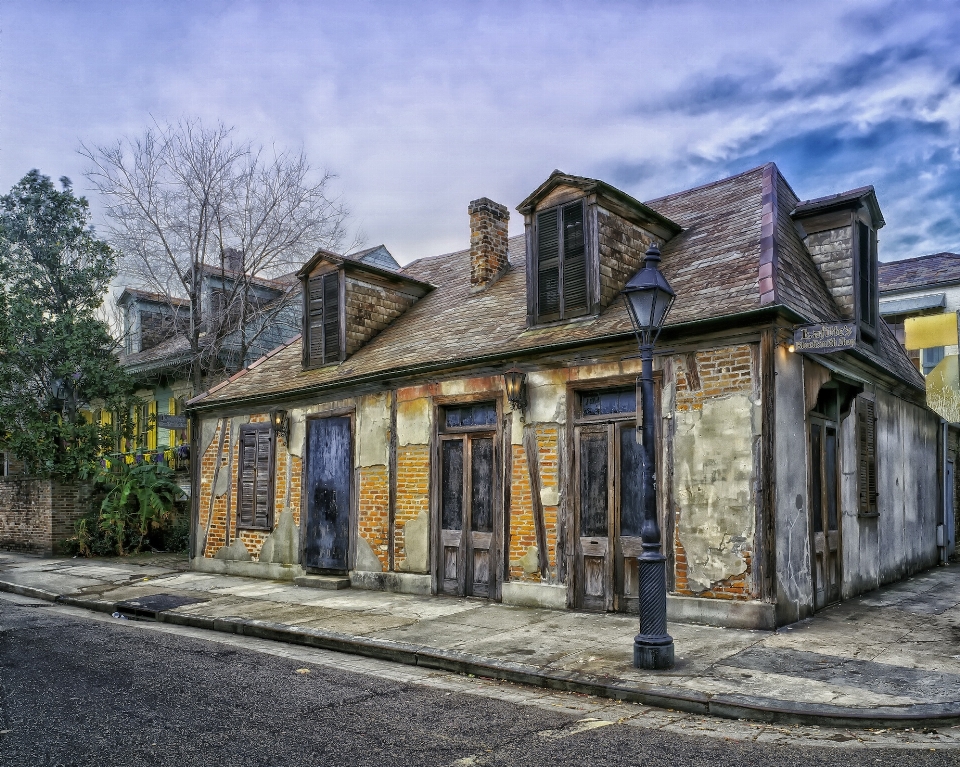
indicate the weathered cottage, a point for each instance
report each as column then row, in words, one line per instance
column 380, row 445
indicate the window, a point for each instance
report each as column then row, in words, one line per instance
column 867, row 278
column 322, row 320
column 561, row 263
column 609, row 402
column 470, row 416
column 930, row 358
column 255, row 487
column 867, row 456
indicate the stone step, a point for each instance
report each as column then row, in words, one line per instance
column 330, row 582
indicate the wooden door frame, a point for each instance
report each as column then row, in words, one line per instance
column 353, row 513
column 435, row 490
column 824, row 423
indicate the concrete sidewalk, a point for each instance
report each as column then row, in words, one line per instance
column 886, row 659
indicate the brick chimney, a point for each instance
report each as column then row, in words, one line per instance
column 488, row 241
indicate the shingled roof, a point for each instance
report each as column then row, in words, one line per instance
column 920, row 272
column 738, row 251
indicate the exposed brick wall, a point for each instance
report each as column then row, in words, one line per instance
column 622, row 246
column 523, row 530
column 369, row 309
column 737, row 587
column 548, row 436
column 413, row 491
column 832, row 252
column 37, row 515
column 723, row 371
column 488, row 240
column 217, row 521
column 374, row 511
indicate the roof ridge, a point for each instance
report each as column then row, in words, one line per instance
column 941, row 254
column 707, row 185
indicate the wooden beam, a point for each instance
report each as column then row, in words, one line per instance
column 533, row 465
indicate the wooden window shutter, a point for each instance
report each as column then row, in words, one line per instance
column 322, row 324
column 255, row 500
column 548, row 264
column 315, row 320
column 574, row 261
column 331, row 317
column 867, row 456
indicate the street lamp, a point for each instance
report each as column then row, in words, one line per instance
column 648, row 297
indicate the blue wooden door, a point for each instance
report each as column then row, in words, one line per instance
column 327, row 535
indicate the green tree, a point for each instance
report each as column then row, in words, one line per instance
column 56, row 354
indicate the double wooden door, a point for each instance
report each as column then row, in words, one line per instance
column 608, row 470
column 467, row 557
column 826, row 553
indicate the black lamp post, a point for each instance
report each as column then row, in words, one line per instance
column 648, row 297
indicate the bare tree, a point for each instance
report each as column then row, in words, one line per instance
column 191, row 206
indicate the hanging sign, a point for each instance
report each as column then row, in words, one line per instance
column 825, row 337
column 171, row 421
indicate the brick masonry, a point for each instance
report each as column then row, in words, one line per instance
column 37, row 515
column 622, row 247
column 369, row 309
column 832, row 252
column 488, row 240
column 413, row 491
column 374, row 511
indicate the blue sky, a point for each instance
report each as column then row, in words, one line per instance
column 421, row 107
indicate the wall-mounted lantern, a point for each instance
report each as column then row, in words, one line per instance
column 280, row 421
column 515, row 381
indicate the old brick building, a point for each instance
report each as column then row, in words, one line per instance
column 380, row 444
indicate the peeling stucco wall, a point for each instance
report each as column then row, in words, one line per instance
column 714, row 455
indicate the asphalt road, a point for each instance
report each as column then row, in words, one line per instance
column 76, row 689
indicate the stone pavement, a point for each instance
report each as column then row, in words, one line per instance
column 889, row 658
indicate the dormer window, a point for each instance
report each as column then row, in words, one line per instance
column 584, row 241
column 323, row 342
column 561, row 263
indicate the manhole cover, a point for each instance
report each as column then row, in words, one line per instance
column 156, row 603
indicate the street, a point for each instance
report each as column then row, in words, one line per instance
column 80, row 688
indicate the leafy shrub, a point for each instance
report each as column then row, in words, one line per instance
column 138, row 508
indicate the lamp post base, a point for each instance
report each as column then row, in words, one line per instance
column 653, row 657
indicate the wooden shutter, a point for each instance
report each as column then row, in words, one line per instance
column 867, row 456
column 548, row 264
column 574, row 261
column 315, row 320
column 323, row 319
column 331, row 317
column 255, row 499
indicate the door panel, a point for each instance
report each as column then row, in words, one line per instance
column 451, row 516
column 630, row 516
column 481, row 515
column 328, row 486
column 593, row 456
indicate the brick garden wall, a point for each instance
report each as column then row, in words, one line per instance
column 36, row 515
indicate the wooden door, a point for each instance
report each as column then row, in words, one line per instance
column 825, row 512
column 328, row 494
column 467, row 559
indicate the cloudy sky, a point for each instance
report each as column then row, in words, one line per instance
column 420, row 107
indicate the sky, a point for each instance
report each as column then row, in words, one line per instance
column 421, row 107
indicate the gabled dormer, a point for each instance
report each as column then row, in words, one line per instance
column 584, row 240
column 840, row 232
column 347, row 300
column 150, row 318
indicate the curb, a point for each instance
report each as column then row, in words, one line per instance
column 722, row 705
